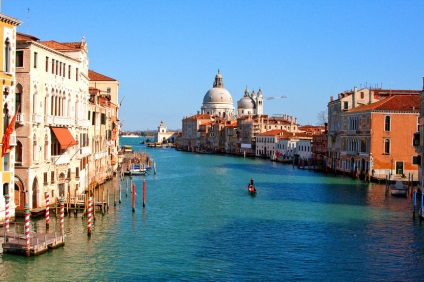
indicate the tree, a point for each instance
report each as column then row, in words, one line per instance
column 322, row 117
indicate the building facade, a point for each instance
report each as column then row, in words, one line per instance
column 376, row 139
column 8, row 27
column 53, row 125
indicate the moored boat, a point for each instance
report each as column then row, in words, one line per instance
column 398, row 188
column 136, row 170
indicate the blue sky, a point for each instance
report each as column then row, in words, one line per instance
column 166, row 54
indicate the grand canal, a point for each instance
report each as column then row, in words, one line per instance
column 200, row 224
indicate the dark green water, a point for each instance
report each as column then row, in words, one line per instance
column 200, row 224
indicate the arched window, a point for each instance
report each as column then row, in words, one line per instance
column 387, row 123
column 7, row 51
column 387, row 146
column 5, row 117
column 46, row 148
column 18, row 153
column 35, row 149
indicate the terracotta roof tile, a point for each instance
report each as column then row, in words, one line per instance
column 406, row 103
column 25, row 37
column 56, row 45
column 272, row 132
column 95, row 76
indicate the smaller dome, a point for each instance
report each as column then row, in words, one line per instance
column 246, row 103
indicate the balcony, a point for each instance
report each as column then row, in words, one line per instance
column 61, row 159
column 20, row 118
column 12, row 140
column 37, row 119
column 83, row 122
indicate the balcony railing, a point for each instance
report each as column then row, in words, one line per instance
column 20, row 118
column 61, row 159
column 37, row 118
column 12, row 140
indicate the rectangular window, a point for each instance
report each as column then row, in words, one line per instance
column 19, row 59
column 345, row 105
column 64, row 70
column 57, row 67
column 52, row 66
column 35, row 59
column 47, row 64
column 60, row 68
column 76, row 74
column 52, row 175
column 103, row 119
column 69, row 72
column 45, row 178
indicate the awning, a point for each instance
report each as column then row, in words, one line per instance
column 64, row 137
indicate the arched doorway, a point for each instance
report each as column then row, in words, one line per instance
column 35, row 193
column 19, row 194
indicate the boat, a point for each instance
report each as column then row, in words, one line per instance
column 398, row 188
column 136, row 170
column 251, row 189
column 127, row 148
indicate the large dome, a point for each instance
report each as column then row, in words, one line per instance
column 218, row 100
column 218, row 96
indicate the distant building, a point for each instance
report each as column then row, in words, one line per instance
column 250, row 104
column 164, row 136
column 217, row 129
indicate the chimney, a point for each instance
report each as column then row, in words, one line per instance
column 355, row 92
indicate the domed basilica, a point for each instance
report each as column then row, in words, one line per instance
column 219, row 102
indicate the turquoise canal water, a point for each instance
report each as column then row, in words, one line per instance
column 200, row 224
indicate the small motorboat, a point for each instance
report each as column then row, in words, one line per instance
column 399, row 189
column 136, row 170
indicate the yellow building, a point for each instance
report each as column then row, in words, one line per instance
column 8, row 62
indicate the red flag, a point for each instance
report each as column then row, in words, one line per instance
column 6, row 136
column 278, row 154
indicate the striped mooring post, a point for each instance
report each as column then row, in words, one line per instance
column 133, row 197
column 7, row 215
column 89, row 217
column 27, row 230
column 144, row 193
column 62, row 216
column 47, row 210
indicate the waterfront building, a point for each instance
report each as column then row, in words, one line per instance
column 419, row 141
column 193, row 128
column 374, row 139
column 319, row 149
column 164, row 136
column 9, row 62
column 105, row 121
column 249, row 126
column 266, row 143
column 52, row 128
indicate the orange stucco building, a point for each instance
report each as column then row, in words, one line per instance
column 376, row 139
